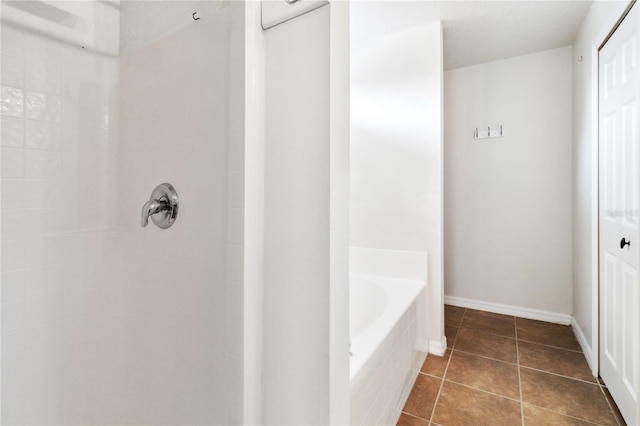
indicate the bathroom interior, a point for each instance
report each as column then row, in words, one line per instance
column 288, row 212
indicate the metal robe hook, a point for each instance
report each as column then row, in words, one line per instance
column 194, row 16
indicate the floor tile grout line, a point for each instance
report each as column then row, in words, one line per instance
column 517, row 363
column 611, row 409
column 430, row 375
column 444, row 374
column 555, row 374
column 542, row 323
column 414, row 416
column 550, row 346
column 519, row 377
column 478, row 330
column 559, row 375
column 482, row 390
column 486, row 357
column 519, row 366
column 563, row 414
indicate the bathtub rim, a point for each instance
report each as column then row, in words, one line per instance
column 364, row 345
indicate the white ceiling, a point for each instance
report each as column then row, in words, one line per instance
column 475, row 31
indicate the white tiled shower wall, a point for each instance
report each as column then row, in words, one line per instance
column 104, row 321
column 56, row 104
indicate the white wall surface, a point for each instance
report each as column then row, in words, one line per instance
column 296, row 221
column 254, row 216
column 508, row 200
column 234, row 344
column 306, row 364
column 599, row 21
column 396, row 152
column 143, row 21
column 339, row 129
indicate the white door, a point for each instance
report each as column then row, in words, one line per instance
column 619, row 119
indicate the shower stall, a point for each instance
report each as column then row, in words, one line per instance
column 205, row 317
column 105, row 321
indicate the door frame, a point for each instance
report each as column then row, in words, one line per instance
column 597, row 44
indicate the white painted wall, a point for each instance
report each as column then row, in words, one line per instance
column 305, row 324
column 296, row 238
column 339, row 143
column 396, row 153
column 254, row 216
column 599, row 21
column 508, row 200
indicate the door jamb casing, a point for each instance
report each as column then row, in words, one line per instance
column 597, row 44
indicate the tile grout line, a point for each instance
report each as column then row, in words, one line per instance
column 515, row 324
column 543, row 371
column 482, row 390
column 518, row 364
column 487, row 357
column 551, row 346
column 413, row 415
column 444, row 374
column 430, row 375
column 559, row 375
column 563, row 414
column 611, row 409
column 479, row 330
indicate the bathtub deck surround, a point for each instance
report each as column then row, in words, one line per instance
column 506, row 370
column 388, row 344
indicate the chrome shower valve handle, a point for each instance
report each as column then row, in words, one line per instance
column 152, row 207
column 162, row 207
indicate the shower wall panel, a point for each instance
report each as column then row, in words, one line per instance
column 59, row 277
column 173, row 120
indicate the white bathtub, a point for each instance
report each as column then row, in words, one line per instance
column 385, row 357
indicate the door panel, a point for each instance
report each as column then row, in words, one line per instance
column 629, row 331
column 610, row 308
column 619, row 216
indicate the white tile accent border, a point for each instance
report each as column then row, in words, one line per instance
column 499, row 308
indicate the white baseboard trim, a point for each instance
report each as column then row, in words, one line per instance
column 438, row 347
column 586, row 349
column 518, row 311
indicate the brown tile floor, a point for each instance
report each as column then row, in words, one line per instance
column 503, row 370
